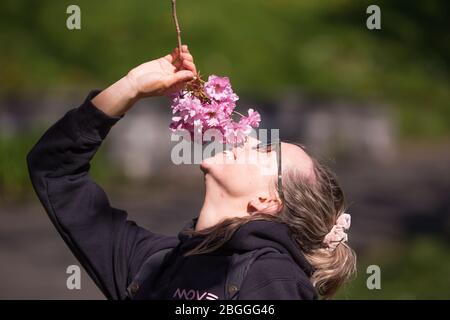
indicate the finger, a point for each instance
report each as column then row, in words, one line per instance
column 180, row 77
column 169, row 57
column 184, row 52
column 187, row 56
column 189, row 66
column 177, row 61
column 174, row 57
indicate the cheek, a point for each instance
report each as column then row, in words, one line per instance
column 262, row 165
column 241, row 179
column 237, row 179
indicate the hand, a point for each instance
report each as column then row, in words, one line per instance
column 155, row 78
column 163, row 76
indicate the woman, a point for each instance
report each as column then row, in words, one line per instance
column 256, row 237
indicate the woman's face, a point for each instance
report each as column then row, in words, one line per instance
column 246, row 171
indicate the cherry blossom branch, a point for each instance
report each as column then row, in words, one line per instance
column 209, row 104
column 177, row 26
column 238, row 113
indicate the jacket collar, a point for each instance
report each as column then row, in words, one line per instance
column 251, row 236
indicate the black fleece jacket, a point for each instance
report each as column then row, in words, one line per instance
column 112, row 248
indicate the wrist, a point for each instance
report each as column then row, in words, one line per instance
column 129, row 88
column 126, row 91
column 117, row 98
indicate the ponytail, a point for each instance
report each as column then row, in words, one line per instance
column 314, row 211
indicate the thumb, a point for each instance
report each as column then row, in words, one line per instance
column 179, row 77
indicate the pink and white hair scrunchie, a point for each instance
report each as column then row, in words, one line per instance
column 337, row 233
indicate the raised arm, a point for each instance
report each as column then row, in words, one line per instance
column 155, row 78
column 109, row 247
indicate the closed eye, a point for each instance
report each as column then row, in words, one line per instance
column 264, row 148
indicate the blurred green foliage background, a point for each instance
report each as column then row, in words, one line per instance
column 321, row 47
column 417, row 269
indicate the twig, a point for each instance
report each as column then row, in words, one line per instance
column 195, row 85
column 177, row 26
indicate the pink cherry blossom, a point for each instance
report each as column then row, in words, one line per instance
column 219, row 88
column 195, row 115
column 252, row 120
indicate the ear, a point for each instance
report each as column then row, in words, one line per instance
column 264, row 205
